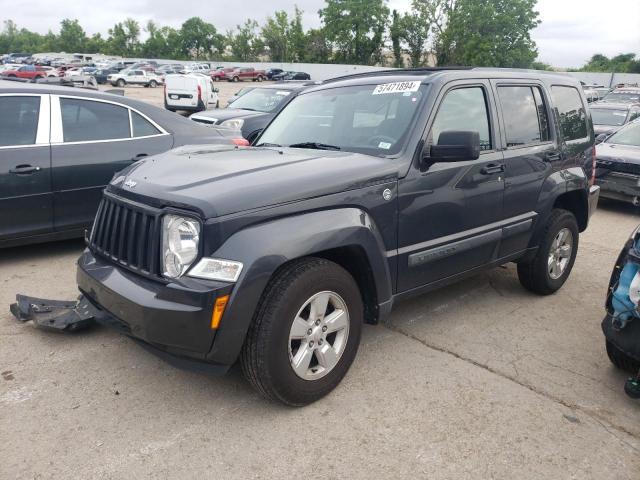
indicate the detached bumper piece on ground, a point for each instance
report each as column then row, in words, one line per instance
column 621, row 326
column 55, row 315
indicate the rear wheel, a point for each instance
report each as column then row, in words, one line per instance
column 620, row 359
column 549, row 269
column 305, row 333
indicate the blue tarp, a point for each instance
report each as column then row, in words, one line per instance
column 625, row 309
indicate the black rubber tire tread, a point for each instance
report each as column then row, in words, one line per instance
column 620, row 359
column 253, row 357
column 534, row 275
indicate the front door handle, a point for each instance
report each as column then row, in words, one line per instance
column 553, row 157
column 492, row 168
column 24, row 169
column 139, row 157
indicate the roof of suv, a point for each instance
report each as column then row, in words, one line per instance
column 431, row 75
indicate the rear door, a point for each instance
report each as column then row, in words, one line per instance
column 531, row 153
column 25, row 166
column 91, row 140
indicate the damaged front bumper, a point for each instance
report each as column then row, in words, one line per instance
column 620, row 186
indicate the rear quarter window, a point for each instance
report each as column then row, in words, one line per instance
column 571, row 112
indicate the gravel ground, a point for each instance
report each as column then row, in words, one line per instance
column 479, row 380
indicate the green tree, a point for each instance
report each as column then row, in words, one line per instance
column 356, row 28
column 275, row 34
column 245, row 43
column 297, row 38
column 317, row 48
column 495, row 33
column 96, row 44
column 124, row 38
column 415, row 27
column 200, row 39
column 72, row 37
column 395, row 33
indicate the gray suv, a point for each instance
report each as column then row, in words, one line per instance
column 361, row 192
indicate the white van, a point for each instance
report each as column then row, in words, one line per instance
column 192, row 92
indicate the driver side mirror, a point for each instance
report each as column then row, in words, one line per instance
column 601, row 138
column 454, row 146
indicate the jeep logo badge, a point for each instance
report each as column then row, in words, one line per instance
column 387, row 194
column 130, row 183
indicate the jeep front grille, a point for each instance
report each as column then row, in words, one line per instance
column 128, row 233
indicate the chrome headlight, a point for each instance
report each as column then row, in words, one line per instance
column 217, row 269
column 180, row 241
column 233, row 123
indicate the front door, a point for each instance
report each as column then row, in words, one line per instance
column 95, row 139
column 447, row 210
column 25, row 166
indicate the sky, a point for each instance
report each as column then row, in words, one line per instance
column 571, row 30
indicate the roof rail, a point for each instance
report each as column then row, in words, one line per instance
column 396, row 71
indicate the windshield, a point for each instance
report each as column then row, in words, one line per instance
column 262, row 99
column 607, row 116
column 622, row 97
column 365, row 118
column 629, row 135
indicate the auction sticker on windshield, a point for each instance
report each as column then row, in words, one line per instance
column 396, row 87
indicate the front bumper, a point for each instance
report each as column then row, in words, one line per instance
column 172, row 318
column 620, row 186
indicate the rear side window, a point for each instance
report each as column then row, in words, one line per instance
column 525, row 115
column 86, row 120
column 141, row 126
column 464, row 109
column 571, row 112
column 19, row 120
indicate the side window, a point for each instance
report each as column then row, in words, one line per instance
column 86, row 120
column 19, row 120
column 522, row 115
column 141, row 126
column 571, row 112
column 464, row 109
column 633, row 115
column 543, row 116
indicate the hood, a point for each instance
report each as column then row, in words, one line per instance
column 600, row 129
column 218, row 180
column 618, row 153
column 222, row 114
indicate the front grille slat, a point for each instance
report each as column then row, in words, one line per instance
column 129, row 234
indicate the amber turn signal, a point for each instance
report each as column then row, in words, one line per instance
column 218, row 311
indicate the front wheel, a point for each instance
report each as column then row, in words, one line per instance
column 620, row 359
column 305, row 333
column 153, row 84
column 121, row 83
column 236, row 79
column 549, row 269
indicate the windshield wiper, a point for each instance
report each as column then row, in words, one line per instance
column 315, row 145
column 266, row 144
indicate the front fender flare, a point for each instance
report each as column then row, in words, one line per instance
column 265, row 247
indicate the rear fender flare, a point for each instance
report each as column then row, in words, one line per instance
column 265, row 247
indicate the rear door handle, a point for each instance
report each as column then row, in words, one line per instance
column 553, row 157
column 24, row 169
column 138, row 157
column 492, row 168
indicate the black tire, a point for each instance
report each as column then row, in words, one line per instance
column 235, row 79
column 620, row 359
column 217, row 103
column 120, row 83
column 534, row 275
column 153, row 84
column 265, row 353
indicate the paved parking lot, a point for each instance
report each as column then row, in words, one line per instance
column 480, row 380
column 154, row 95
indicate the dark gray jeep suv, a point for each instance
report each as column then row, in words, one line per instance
column 363, row 191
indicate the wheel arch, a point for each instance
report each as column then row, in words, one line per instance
column 346, row 236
